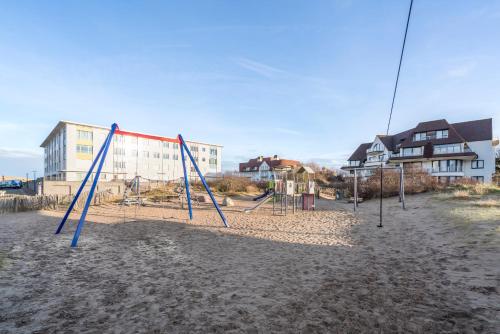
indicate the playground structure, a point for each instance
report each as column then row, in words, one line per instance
column 381, row 197
column 289, row 190
column 100, row 158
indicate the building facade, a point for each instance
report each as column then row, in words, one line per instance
column 261, row 168
column 446, row 151
column 71, row 147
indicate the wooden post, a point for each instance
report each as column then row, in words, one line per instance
column 381, row 193
column 403, row 188
column 355, row 189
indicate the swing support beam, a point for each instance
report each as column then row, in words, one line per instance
column 184, row 147
column 101, row 157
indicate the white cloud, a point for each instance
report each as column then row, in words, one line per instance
column 259, row 68
column 461, row 70
column 288, row 131
column 16, row 153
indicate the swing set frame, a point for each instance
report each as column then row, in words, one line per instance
column 381, row 168
column 100, row 158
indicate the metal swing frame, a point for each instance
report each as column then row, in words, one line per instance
column 101, row 157
column 381, row 168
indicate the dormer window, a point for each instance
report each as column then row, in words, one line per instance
column 439, row 134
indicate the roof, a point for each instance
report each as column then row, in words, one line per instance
column 118, row 131
column 305, row 169
column 273, row 163
column 477, row 130
column 360, row 153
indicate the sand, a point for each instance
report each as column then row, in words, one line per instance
column 428, row 270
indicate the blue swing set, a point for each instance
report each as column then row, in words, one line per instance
column 101, row 156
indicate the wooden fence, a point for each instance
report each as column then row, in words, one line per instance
column 18, row 203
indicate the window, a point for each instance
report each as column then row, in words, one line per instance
column 166, row 156
column 193, row 148
column 203, row 159
column 376, row 147
column 439, row 166
column 119, row 164
column 478, row 178
column 213, row 151
column 165, row 144
column 449, row 148
column 442, row 134
column 156, row 155
column 212, row 162
column 439, row 134
column 477, row 164
column 175, row 157
column 145, row 154
column 84, row 149
column 175, row 146
column 353, row 163
column 83, row 135
column 376, row 158
column 203, row 149
column 119, row 151
column 411, row 151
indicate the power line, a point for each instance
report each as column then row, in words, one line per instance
column 399, row 68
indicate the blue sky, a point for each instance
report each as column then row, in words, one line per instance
column 307, row 80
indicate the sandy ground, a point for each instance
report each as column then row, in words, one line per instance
column 433, row 268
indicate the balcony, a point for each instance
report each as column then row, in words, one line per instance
column 374, row 150
column 447, row 170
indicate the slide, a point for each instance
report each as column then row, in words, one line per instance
column 269, row 195
column 262, row 195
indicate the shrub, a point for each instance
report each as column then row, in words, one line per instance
column 233, row 184
column 416, row 181
column 461, row 194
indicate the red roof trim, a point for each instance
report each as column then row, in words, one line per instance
column 141, row 135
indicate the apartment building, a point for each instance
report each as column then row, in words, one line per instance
column 447, row 151
column 264, row 168
column 71, row 147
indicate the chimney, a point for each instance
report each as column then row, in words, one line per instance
column 260, row 158
column 275, row 157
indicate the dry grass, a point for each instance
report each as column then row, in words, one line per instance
column 488, row 203
column 476, row 188
column 473, row 213
column 461, row 194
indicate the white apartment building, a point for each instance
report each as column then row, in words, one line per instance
column 447, row 151
column 71, row 147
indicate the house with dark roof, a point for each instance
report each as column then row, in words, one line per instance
column 264, row 168
column 447, row 151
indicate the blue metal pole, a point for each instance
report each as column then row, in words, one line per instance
column 61, row 225
column 92, row 189
column 207, row 188
column 186, row 181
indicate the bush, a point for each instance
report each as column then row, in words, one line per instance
column 233, row 184
column 416, row 181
